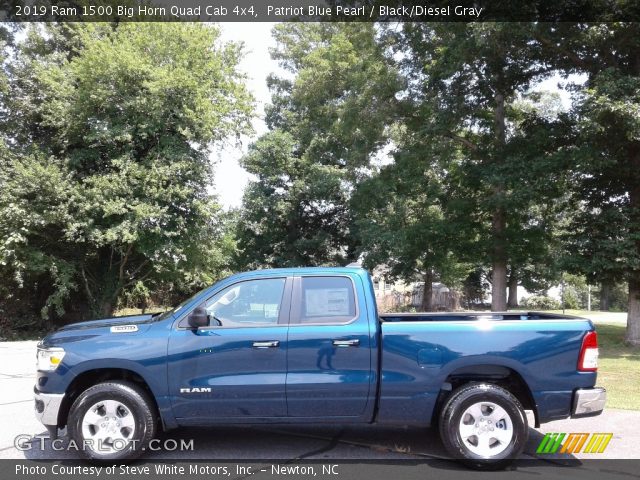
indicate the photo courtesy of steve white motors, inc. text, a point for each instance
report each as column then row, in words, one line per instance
column 185, row 469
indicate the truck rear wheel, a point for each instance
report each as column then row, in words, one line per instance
column 112, row 421
column 484, row 425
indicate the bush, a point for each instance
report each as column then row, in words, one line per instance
column 541, row 302
column 572, row 299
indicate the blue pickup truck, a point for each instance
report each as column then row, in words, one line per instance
column 309, row 346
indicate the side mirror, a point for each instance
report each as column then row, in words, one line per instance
column 198, row 318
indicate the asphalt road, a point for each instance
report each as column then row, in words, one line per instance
column 17, row 365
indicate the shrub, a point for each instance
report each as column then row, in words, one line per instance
column 541, row 302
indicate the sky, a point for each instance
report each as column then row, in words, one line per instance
column 231, row 178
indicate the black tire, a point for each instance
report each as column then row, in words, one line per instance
column 134, row 401
column 473, row 450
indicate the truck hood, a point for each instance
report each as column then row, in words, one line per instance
column 108, row 322
column 132, row 325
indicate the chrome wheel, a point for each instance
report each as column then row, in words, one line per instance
column 108, row 427
column 486, row 429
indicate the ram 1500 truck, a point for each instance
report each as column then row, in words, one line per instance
column 309, row 346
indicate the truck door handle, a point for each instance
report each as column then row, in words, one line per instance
column 346, row 343
column 269, row 344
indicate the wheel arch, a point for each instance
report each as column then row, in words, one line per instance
column 498, row 374
column 91, row 377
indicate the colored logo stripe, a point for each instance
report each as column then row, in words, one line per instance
column 551, row 443
column 574, row 442
column 598, row 442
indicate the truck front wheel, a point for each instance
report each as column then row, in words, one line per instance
column 484, row 425
column 112, row 421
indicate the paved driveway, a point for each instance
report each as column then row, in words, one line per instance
column 17, row 364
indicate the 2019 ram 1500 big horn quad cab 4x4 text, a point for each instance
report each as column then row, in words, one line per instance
column 309, row 346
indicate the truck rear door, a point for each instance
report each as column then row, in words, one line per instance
column 329, row 362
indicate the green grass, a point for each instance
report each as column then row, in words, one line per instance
column 585, row 313
column 618, row 367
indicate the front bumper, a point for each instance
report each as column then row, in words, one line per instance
column 47, row 406
column 588, row 402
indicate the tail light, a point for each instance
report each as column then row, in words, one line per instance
column 588, row 360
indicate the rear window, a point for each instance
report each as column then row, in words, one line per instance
column 327, row 300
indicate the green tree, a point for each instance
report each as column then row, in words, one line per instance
column 326, row 120
column 604, row 242
column 109, row 184
column 464, row 80
column 408, row 221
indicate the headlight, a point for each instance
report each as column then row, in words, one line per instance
column 48, row 359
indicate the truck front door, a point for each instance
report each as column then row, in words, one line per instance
column 236, row 366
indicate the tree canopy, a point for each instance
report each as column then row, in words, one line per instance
column 325, row 124
column 107, row 181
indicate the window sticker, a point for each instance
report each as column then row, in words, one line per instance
column 326, row 302
column 268, row 310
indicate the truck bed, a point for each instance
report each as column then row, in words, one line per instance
column 540, row 348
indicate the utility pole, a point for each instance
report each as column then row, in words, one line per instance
column 562, row 291
column 588, row 298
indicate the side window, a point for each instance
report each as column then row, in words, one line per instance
column 246, row 304
column 328, row 300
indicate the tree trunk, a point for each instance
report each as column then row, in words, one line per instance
column 106, row 309
column 605, row 296
column 104, row 302
column 633, row 316
column 499, row 286
column 513, row 290
column 427, row 293
column 498, row 221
